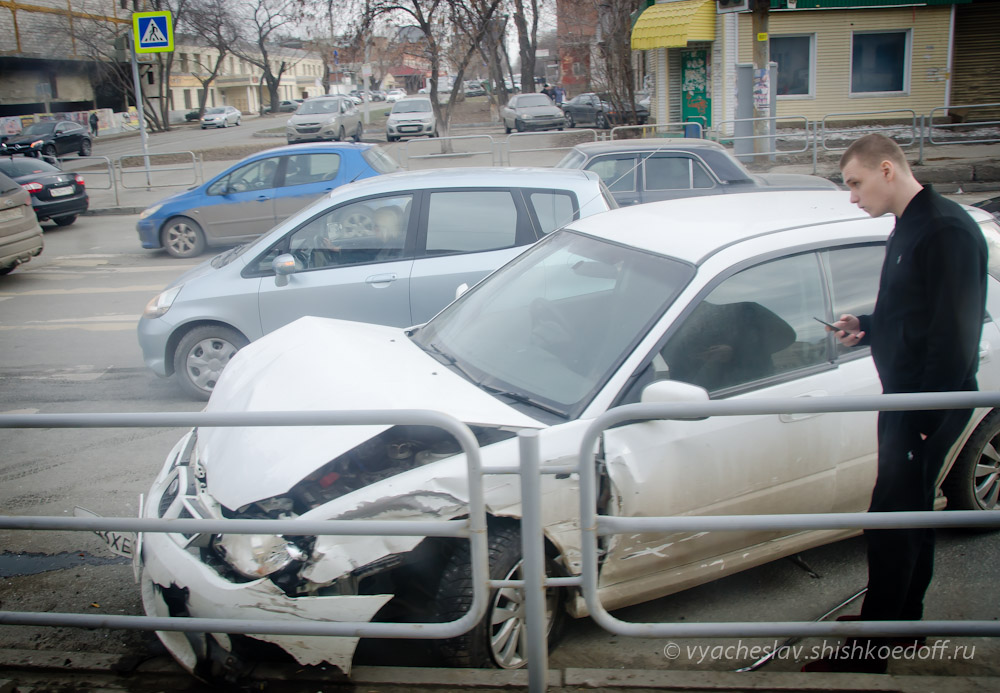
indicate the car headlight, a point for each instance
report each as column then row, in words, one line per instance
column 257, row 555
column 149, row 211
column 161, row 303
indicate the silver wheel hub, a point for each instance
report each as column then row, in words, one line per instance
column 206, row 360
column 508, row 627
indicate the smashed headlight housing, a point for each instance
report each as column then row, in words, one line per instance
column 257, row 555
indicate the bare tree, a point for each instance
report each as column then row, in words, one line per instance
column 614, row 73
column 527, row 41
column 265, row 19
column 212, row 22
column 449, row 26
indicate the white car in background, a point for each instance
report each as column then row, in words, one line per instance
column 411, row 117
column 220, row 117
column 683, row 300
column 394, row 95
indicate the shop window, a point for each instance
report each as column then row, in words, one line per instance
column 795, row 65
column 879, row 62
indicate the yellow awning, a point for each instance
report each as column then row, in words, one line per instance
column 673, row 24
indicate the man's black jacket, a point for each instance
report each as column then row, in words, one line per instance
column 927, row 322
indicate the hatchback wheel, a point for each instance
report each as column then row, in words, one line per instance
column 85, row 148
column 183, row 237
column 65, row 221
column 340, row 134
column 498, row 640
column 359, row 133
column 974, row 480
column 601, row 121
column 201, row 356
column 570, row 123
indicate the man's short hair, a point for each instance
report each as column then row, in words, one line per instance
column 871, row 150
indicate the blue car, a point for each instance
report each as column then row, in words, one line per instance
column 246, row 200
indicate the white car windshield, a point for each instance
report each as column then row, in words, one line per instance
column 548, row 329
column 533, row 100
column 319, row 106
column 415, row 106
column 214, row 111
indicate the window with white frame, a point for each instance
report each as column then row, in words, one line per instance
column 794, row 56
column 879, row 62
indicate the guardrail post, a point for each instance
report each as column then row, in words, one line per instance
column 920, row 155
column 533, row 565
column 815, row 140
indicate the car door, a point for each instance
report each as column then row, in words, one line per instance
column 344, row 270
column 673, row 174
column 588, row 108
column 308, row 176
column 620, row 173
column 750, row 336
column 241, row 203
column 465, row 235
column 67, row 137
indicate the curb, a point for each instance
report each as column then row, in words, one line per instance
column 55, row 666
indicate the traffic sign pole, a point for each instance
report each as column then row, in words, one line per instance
column 142, row 116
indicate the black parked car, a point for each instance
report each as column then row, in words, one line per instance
column 648, row 170
column 55, row 194
column 51, row 138
column 193, row 116
column 596, row 109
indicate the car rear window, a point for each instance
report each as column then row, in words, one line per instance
column 379, row 160
column 6, row 184
column 25, row 167
column 471, row 221
column 554, row 209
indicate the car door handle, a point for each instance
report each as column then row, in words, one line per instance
column 263, row 198
column 381, row 279
column 802, row 416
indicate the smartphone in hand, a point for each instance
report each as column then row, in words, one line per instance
column 832, row 327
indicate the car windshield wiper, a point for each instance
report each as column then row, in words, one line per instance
column 523, row 399
column 450, row 360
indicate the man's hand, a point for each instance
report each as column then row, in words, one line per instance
column 849, row 330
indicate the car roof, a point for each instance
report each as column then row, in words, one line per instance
column 687, row 143
column 523, row 177
column 694, row 228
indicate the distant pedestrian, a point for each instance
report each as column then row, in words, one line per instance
column 547, row 90
column 559, row 94
column 93, row 123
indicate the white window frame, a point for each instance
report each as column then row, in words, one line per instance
column 811, row 93
column 907, row 63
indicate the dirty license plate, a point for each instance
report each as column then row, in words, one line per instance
column 409, row 128
column 120, row 543
column 60, row 192
column 8, row 214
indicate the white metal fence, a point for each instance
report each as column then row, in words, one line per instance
column 473, row 528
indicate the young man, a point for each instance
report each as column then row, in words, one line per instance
column 924, row 335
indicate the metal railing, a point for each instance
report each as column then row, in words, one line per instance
column 955, row 127
column 686, row 129
column 718, row 131
column 542, row 156
column 828, row 128
column 534, row 582
column 157, row 175
column 458, row 150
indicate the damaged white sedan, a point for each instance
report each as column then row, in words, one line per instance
column 681, row 300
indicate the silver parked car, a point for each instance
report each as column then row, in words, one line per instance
column 220, row 117
column 390, row 249
column 325, row 118
column 411, row 117
column 532, row 112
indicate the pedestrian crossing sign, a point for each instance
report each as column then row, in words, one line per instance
column 153, row 31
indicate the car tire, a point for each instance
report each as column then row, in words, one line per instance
column 506, row 129
column 391, row 138
column 483, row 646
column 64, row 221
column 974, row 480
column 85, row 148
column 49, row 150
column 341, row 134
column 183, row 237
column 600, row 121
column 203, row 127
column 359, row 133
column 201, row 356
column 289, row 141
column 237, row 122
column 570, row 123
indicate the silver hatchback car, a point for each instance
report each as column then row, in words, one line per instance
column 390, row 249
column 325, row 118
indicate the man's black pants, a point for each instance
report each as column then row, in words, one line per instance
column 901, row 561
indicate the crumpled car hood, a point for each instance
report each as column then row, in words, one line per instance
column 325, row 364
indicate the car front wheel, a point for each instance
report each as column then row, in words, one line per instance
column 601, row 121
column 201, row 356
column 570, row 123
column 85, row 148
column 49, row 150
column 498, row 641
column 974, row 480
column 183, row 237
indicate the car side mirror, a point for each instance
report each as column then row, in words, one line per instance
column 283, row 265
column 674, row 392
